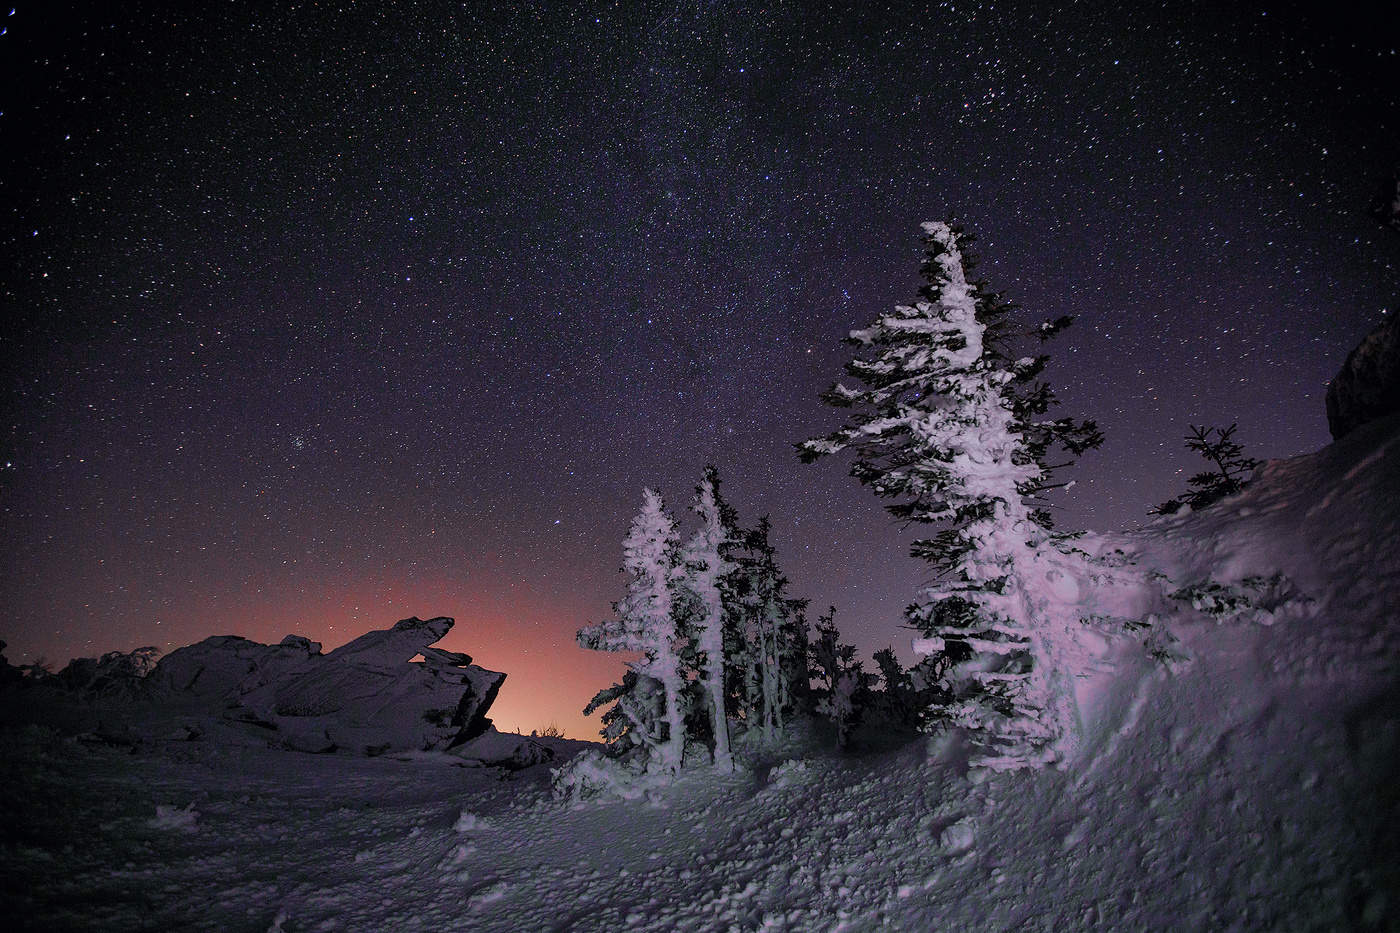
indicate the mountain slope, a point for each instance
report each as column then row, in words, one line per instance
column 1239, row 771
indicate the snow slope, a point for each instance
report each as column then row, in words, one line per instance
column 1247, row 782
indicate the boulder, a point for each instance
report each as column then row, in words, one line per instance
column 369, row 696
column 1368, row 385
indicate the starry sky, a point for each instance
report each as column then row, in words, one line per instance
column 320, row 315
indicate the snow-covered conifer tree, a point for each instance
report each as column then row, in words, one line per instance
column 636, row 711
column 645, row 623
column 898, row 700
column 950, row 424
column 706, row 568
column 843, row 682
column 768, row 639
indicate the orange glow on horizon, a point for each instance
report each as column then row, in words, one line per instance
column 527, row 636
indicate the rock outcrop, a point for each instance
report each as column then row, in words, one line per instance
column 386, row 691
column 1368, row 385
column 9, row 674
column 117, row 674
column 369, row 695
column 223, row 668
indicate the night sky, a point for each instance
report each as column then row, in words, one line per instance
column 317, row 319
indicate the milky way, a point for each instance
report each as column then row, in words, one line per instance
column 319, row 319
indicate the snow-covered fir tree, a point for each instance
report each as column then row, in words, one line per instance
column 842, row 683
column 636, row 710
column 768, row 638
column 897, row 702
column 951, row 425
column 645, row 622
column 707, row 567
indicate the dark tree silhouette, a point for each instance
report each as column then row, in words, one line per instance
column 1231, row 471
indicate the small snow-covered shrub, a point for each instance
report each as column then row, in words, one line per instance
column 1230, row 474
column 1261, row 599
column 593, row 774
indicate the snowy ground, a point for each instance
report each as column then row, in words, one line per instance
column 235, row 841
column 1251, row 785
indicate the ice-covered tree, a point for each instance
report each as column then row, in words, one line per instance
column 951, row 424
column 645, row 623
column 707, row 567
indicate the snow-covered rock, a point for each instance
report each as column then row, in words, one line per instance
column 115, row 674
column 186, row 820
column 1368, row 385
column 495, row 749
column 366, row 697
column 223, row 668
column 370, row 696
